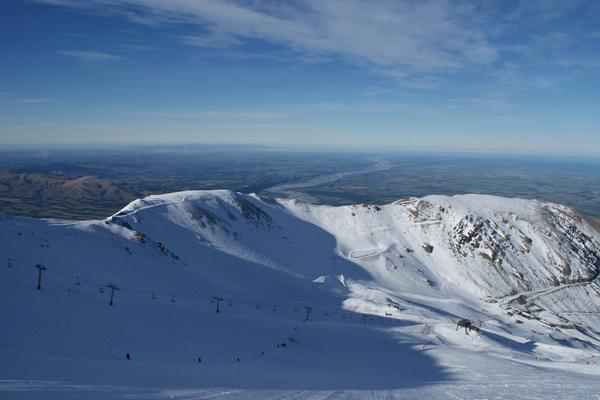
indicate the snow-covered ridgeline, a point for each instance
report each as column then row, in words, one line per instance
column 494, row 246
column 526, row 271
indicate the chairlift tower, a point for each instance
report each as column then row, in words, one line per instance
column 40, row 268
column 218, row 300
column 112, row 287
column 308, row 311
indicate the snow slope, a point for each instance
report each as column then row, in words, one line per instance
column 383, row 287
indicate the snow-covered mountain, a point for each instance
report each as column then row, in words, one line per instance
column 383, row 287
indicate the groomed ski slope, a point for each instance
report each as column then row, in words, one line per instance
column 383, row 287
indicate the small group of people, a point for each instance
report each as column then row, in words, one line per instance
column 199, row 359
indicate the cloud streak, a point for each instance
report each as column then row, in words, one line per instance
column 251, row 115
column 89, row 56
column 418, row 43
column 398, row 38
column 34, row 100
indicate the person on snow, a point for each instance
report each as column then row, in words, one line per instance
column 465, row 323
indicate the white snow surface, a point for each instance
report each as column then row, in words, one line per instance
column 383, row 285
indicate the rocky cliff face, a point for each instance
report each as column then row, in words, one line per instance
column 567, row 251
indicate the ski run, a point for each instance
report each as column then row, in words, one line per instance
column 314, row 301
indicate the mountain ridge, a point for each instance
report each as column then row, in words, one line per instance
column 341, row 283
column 51, row 195
column 494, row 261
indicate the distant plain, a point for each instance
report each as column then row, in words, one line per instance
column 95, row 183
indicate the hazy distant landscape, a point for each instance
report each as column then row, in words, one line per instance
column 85, row 184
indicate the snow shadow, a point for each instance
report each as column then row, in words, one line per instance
column 275, row 257
column 523, row 347
column 328, row 357
column 332, row 357
column 353, row 359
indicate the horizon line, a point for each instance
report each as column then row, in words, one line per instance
column 317, row 148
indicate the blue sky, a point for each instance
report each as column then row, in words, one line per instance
column 520, row 76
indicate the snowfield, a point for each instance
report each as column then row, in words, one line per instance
column 314, row 302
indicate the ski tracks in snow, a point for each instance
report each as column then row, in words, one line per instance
column 133, row 212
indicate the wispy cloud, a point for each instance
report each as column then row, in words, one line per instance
column 136, row 47
column 89, row 56
column 219, row 114
column 419, row 43
column 259, row 115
column 34, row 100
column 397, row 38
column 212, row 39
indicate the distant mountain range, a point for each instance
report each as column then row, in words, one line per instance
column 48, row 195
